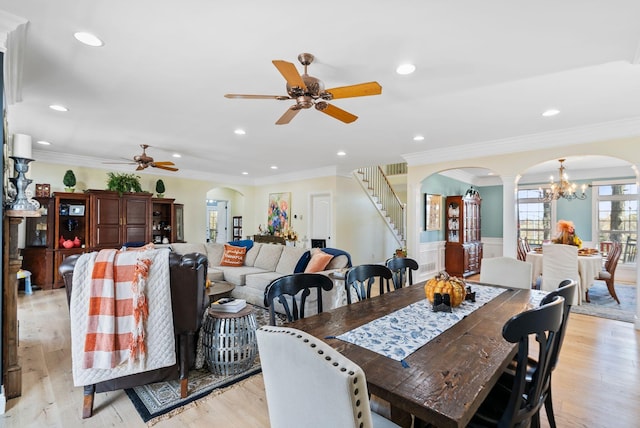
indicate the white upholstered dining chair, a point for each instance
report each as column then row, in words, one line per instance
column 310, row 384
column 506, row 271
column 560, row 262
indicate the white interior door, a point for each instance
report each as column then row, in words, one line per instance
column 321, row 218
column 222, row 223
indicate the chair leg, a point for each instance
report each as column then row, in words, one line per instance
column 548, row 407
column 87, row 401
column 586, row 296
column 612, row 290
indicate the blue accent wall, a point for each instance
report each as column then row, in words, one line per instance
column 491, row 211
column 440, row 185
column 578, row 211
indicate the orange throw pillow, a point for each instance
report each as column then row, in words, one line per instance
column 319, row 260
column 233, row 256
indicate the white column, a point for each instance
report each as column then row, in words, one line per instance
column 509, row 225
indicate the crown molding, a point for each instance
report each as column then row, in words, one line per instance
column 90, row 162
column 565, row 137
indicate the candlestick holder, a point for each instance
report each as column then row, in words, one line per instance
column 22, row 206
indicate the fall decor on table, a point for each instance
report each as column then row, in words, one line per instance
column 567, row 234
column 443, row 283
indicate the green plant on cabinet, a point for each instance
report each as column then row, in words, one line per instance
column 123, row 182
column 69, row 181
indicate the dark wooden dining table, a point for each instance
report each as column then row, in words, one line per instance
column 446, row 379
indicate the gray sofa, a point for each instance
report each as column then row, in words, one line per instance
column 262, row 264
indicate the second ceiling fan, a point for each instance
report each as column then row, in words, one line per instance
column 308, row 91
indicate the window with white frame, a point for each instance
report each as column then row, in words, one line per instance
column 617, row 214
column 534, row 217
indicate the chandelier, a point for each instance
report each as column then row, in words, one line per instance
column 563, row 189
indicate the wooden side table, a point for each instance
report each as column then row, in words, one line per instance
column 229, row 341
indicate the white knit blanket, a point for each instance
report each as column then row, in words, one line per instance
column 160, row 338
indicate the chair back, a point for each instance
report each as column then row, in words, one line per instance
column 630, row 250
column 310, row 384
column 560, row 262
column 295, row 288
column 361, row 278
column 523, row 249
column 506, row 271
column 527, row 397
column 402, row 270
column 613, row 256
column 567, row 289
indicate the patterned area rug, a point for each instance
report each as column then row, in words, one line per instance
column 159, row 401
column 602, row 304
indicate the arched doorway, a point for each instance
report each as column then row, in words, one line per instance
column 224, row 209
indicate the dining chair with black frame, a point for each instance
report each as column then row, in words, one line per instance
column 516, row 399
column 567, row 289
column 402, row 270
column 362, row 277
column 297, row 287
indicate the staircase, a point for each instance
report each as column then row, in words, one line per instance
column 393, row 211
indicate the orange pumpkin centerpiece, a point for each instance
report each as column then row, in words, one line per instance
column 444, row 284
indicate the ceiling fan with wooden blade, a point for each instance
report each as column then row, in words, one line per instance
column 144, row 161
column 308, row 91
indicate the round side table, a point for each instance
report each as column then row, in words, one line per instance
column 229, row 341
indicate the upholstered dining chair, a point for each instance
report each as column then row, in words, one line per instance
column 295, row 288
column 560, row 262
column 310, row 384
column 361, row 278
column 402, row 270
column 506, row 271
column 516, row 399
column 609, row 272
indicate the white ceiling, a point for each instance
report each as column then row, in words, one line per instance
column 485, row 73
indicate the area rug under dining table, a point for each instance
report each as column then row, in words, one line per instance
column 604, row 306
column 161, row 400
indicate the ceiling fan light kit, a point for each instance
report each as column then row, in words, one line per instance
column 308, row 91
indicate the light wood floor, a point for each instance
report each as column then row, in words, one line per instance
column 596, row 384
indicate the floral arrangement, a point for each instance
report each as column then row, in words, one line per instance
column 567, row 234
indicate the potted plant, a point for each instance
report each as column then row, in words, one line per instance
column 160, row 188
column 122, row 182
column 69, row 181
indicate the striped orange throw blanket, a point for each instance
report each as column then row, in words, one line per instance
column 118, row 310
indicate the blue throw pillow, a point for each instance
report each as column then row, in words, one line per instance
column 247, row 243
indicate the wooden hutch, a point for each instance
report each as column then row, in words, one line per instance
column 463, row 249
column 94, row 219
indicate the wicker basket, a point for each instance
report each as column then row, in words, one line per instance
column 229, row 341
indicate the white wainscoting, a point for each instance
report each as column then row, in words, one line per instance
column 430, row 260
column 491, row 247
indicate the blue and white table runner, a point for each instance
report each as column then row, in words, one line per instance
column 400, row 333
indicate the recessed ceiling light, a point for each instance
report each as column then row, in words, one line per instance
column 405, row 69
column 550, row 112
column 274, row 167
column 341, row 153
column 58, row 107
column 44, row 143
column 88, row 39
column 418, row 138
column 245, row 173
column 239, row 132
column 176, row 155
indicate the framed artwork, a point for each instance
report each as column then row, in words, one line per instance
column 278, row 212
column 432, row 208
